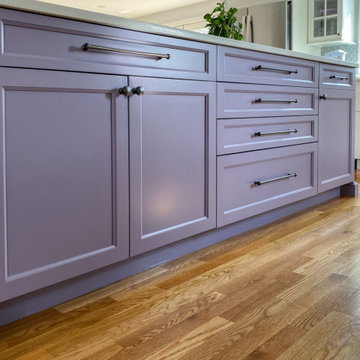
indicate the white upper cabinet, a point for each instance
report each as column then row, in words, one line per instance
column 331, row 21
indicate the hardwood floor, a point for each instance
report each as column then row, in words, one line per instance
column 291, row 291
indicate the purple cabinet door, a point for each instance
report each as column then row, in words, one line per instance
column 336, row 144
column 63, row 177
column 172, row 161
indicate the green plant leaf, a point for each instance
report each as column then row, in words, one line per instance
column 223, row 23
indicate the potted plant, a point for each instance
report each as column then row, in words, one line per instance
column 224, row 23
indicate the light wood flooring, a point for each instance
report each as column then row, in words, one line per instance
column 288, row 290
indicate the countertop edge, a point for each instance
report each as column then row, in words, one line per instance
column 128, row 24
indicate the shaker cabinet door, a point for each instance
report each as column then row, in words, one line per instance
column 63, row 177
column 336, row 146
column 172, row 161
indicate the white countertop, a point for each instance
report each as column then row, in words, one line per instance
column 103, row 19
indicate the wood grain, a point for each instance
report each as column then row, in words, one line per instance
column 287, row 290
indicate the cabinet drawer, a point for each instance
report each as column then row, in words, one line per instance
column 337, row 77
column 237, row 65
column 237, row 135
column 241, row 100
column 37, row 41
column 255, row 182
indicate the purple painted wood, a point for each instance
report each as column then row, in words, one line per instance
column 238, row 65
column 337, row 77
column 172, row 162
column 238, row 195
column 63, row 177
column 336, row 138
column 238, row 135
column 37, row 41
column 243, row 100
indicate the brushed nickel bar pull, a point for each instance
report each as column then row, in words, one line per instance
column 87, row 47
column 263, row 68
column 261, row 182
column 339, row 77
column 259, row 100
column 289, row 131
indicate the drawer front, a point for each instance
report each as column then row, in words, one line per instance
column 238, row 135
column 236, row 100
column 237, row 65
column 255, row 182
column 337, row 77
column 36, row 41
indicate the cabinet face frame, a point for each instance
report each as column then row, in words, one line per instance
column 36, row 80
column 141, row 239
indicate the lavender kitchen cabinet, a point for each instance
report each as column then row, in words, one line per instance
column 63, row 176
column 172, row 161
column 336, row 145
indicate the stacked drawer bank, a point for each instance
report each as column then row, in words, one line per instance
column 117, row 144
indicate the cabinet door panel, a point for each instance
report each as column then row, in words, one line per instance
column 336, row 145
column 172, row 161
column 59, row 172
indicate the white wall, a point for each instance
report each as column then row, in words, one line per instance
column 300, row 28
column 195, row 12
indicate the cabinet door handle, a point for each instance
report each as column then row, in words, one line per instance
column 261, row 182
column 138, row 90
column 125, row 90
column 323, row 97
column 287, row 101
column 337, row 77
column 87, row 47
column 263, row 68
column 289, row 131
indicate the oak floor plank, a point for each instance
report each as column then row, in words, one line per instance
column 167, row 328
column 316, row 340
column 275, row 346
column 117, row 288
column 37, row 354
column 193, row 339
column 89, row 346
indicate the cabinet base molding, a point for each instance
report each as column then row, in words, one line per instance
column 36, row 301
column 350, row 189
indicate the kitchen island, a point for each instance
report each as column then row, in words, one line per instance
column 126, row 144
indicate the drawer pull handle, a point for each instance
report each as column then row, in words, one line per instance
column 339, row 77
column 262, row 68
column 261, row 182
column 87, row 47
column 289, row 131
column 288, row 101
